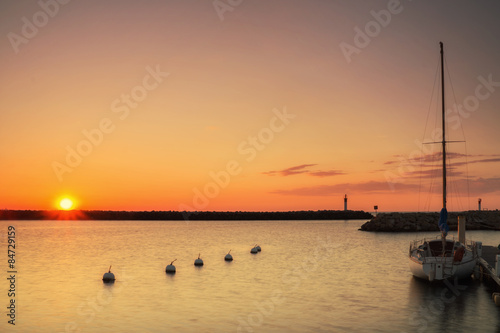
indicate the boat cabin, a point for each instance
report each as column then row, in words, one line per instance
column 434, row 248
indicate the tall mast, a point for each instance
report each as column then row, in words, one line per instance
column 443, row 142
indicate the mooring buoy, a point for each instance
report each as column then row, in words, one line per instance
column 199, row 261
column 170, row 268
column 228, row 256
column 108, row 277
column 254, row 250
column 258, row 248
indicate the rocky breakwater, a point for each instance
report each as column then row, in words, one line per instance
column 408, row 222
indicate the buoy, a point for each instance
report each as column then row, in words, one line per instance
column 258, row 248
column 496, row 298
column 228, row 256
column 170, row 268
column 254, row 250
column 199, row 261
column 108, row 277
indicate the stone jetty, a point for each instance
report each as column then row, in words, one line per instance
column 107, row 215
column 410, row 222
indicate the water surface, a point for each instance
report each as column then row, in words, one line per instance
column 311, row 276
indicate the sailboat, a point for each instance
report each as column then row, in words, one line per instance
column 441, row 258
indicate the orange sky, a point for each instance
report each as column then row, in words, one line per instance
column 258, row 105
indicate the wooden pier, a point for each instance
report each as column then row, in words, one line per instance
column 487, row 265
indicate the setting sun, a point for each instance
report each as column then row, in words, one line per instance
column 66, row 204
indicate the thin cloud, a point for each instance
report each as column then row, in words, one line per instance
column 429, row 160
column 328, row 190
column 326, row 173
column 434, row 173
column 303, row 169
column 485, row 160
column 475, row 186
column 296, row 170
column 480, row 186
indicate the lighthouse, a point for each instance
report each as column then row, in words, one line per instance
column 345, row 202
column 479, row 204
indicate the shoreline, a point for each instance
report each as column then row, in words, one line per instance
column 41, row 215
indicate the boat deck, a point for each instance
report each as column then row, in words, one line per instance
column 436, row 248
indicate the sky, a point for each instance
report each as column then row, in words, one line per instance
column 241, row 105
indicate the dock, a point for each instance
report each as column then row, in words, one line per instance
column 487, row 265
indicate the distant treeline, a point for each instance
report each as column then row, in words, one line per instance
column 179, row 216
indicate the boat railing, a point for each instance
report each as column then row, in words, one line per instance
column 472, row 246
column 418, row 245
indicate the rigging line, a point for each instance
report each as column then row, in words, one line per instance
column 454, row 189
column 430, row 103
column 433, row 174
column 467, row 176
column 463, row 135
column 434, row 168
column 454, row 96
column 435, row 155
column 420, row 179
column 438, row 113
column 429, row 196
column 422, row 157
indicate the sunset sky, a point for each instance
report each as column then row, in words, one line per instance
column 247, row 104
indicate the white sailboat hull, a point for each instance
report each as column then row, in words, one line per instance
column 439, row 269
column 428, row 265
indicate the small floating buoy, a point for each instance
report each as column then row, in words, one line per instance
column 228, row 256
column 199, row 261
column 258, row 248
column 170, row 268
column 108, row 277
column 254, row 250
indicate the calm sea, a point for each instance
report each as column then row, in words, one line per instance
column 311, row 276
